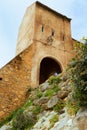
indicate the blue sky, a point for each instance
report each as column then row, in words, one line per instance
column 12, row 12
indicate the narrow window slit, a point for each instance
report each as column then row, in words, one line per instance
column 0, row 78
column 52, row 32
column 42, row 28
column 63, row 37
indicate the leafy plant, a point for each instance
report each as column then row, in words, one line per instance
column 79, row 75
column 28, row 103
column 9, row 118
column 54, row 80
column 55, row 88
column 72, row 105
column 23, row 121
column 49, row 93
column 59, row 106
column 37, row 110
column 54, row 119
column 39, row 94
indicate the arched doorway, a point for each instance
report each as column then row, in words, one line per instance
column 48, row 67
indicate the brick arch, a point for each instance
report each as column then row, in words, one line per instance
column 48, row 66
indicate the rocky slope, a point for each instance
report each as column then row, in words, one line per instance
column 51, row 106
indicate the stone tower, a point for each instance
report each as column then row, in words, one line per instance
column 50, row 34
column 44, row 47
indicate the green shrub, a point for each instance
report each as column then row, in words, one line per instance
column 72, row 105
column 49, row 93
column 28, row 103
column 39, row 94
column 9, row 118
column 19, row 122
column 37, row 110
column 23, row 121
column 79, row 75
column 54, row 119
column 54, row 80
column 55, row 88
column 59, row 106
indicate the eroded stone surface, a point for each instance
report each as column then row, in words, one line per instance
column 52, row 102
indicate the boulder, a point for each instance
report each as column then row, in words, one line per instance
column 80, row 120
column 5, row 127
column 52, row 102
column 62, row 94
column 44, row 86
column 43, row 100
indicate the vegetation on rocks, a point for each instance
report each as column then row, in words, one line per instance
column 79, row 74
column 44, row 98
column 22, row 121
column 54, row 101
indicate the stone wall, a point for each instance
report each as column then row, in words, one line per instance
column 43, row 33
column 15, row 81
column 43, row 51
column 54, row 24
column 26, row 30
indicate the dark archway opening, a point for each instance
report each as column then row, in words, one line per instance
column 48, row 67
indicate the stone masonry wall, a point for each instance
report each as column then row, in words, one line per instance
column 45, row 34
column 15, row 81
column 52, row 28
column 26, row 30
